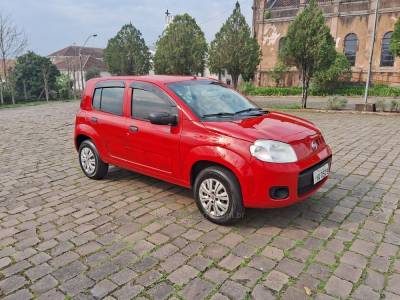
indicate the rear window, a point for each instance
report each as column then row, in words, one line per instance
column 109, row 100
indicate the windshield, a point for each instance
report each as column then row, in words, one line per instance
column 209, row 99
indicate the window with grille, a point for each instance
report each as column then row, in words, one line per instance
column 387, row 59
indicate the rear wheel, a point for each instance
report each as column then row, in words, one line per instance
column 218, row 195
column 90, row 161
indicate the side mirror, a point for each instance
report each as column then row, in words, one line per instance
column 163, row 118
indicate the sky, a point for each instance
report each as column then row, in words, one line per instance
column 51, row 25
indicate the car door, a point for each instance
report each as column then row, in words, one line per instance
column 107, row 117
column 154, row 148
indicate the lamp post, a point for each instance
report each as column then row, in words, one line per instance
column 80, row 58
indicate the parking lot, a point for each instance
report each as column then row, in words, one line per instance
column 64, row 236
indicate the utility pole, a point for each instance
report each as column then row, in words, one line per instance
column 371, row 55
column 80, row 58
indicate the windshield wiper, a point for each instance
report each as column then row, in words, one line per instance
column 220, row 114
column 256, row 109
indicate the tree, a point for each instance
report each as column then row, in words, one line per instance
column 395, row 42
column 181, row 49
column 92, row 73
column 35, row 76
column 278, row 73
column 127, row 53
column 339, row 71
column 234, row 49
column 12, row 43
column 309, row 46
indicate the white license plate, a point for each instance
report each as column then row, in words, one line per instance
column 321, row 173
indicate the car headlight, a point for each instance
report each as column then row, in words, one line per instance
column 273, row 151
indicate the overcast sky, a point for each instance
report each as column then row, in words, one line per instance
column 51, row 25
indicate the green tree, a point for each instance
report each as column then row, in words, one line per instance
column 92, row 73
column 395, row 42
column 127, row 53
column 35, row 76
column 339, row 71
column 181, row 49
column 308, row 45
column 234, row 49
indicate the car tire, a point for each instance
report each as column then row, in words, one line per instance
column 90, row 161
column 218, row 195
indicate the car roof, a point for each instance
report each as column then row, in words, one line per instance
column 160, row 79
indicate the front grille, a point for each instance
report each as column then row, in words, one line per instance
column 306, row 179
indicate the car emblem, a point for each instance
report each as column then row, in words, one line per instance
column 314, row 145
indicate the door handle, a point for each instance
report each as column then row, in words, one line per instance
column 133, row 129
column 93, row 119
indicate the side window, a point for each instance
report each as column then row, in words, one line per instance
column 146, row 102
column 109, row 99
column 97, row 99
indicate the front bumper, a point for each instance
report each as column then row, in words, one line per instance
column 297, row 177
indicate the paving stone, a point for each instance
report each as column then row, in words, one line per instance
column 216, row 275
column 364, row 292
column 200, row 262
column 69, row 271
column 77, row 284
column 148, row 278
column 293, row 293
column 233, row 290
column 348, row 272
column 123, row 276
column 363, row 247
column 338, row 287
column 246, row 276
column 44, row 284
column 230, row 262
column 219, row 296
column 128, row 291
column 161, row 291
column 19, row 295
column 290, row 267
column 215, row 251
column 197, row 289
column 273, row 253
column 276, row 280
column 183, row 275
column 260, row 292
column 394, row 284
column 103, row 288
column 52, row 295
column 12, row 284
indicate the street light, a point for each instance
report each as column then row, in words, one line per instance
column 80, row 57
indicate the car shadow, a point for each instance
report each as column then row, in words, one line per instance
column 338, row 204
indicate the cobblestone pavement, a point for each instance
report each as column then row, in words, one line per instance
column 64, row 236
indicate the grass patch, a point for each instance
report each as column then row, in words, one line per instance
column 282, row 106
column 376, row 90
column 31, row 103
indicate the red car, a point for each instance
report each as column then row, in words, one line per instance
column 199, row 133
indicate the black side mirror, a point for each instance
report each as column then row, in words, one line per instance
column 163, row 118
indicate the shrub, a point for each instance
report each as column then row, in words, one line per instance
column 395, row 105
column 92, row 73
column 380, row 105
column 336, row 103
column 338, row 73
column 278, row 73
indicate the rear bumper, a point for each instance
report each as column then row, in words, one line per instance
column 297, row 177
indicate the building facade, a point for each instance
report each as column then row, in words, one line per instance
column 351, row 23
column 68, row 62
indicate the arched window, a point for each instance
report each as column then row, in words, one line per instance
column 281, row 43
column 387, row 59
column 350, row 48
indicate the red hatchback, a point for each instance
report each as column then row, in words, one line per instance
column 199, row 133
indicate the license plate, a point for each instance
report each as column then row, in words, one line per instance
column 321, row 173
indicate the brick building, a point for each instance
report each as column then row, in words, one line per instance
column 351, row 23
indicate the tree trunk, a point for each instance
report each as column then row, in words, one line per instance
column 25, row 94
column 304, row 93
column 219, row 75
column 235, row 79
column 1, row 93
column 46, row 84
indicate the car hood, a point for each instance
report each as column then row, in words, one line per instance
column 272, row 126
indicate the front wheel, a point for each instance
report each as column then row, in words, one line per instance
column 218, row 195
column 90, row 161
